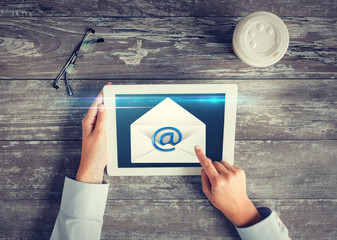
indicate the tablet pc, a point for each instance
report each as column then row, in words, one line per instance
column 152, row 129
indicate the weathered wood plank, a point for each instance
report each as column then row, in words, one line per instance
column 274, row 169
column 143, row 8
column 174, row 219
column 273, row 109
column 159, row 48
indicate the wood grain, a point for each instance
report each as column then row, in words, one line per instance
column 143, row 8
column 170, row 219
column 274, row 169
column 273, row 109
column 159, row 48
column 286, row 121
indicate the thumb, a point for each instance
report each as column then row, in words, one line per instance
column 101, row 120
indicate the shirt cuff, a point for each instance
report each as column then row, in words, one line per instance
column 84, row 200
column 271, row 227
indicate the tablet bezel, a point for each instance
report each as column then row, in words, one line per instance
column 109, row 93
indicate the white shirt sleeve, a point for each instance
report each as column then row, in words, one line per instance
column 81, row 212
column 271, row 227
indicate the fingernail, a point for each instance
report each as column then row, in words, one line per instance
column 101, row 108
column 197, row 147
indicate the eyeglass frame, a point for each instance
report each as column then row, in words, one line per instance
column 72, row 60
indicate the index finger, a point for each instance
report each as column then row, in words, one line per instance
column 206, row 164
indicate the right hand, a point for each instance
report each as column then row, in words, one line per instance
column 225, row 186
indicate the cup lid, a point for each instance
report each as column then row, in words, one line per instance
column 260, row 39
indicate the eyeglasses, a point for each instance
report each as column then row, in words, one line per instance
column 84, row 47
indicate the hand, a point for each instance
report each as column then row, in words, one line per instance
column 94, row 155
column 225, row 186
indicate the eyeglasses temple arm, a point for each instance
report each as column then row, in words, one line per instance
column 71, row 60
column 69, row 90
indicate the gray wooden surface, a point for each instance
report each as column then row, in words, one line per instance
column 286, row 137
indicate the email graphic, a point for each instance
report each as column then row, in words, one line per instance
column 166, row 134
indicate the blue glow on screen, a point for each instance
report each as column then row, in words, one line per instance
column 209, row 108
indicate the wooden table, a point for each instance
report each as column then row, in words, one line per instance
column 286, row 137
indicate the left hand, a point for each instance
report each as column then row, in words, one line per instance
column 94, row 155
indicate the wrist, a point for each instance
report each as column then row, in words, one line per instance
column 246, row 214
column 86, row 175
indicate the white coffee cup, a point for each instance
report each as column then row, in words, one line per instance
column 261, row 39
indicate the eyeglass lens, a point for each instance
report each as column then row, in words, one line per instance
column 87, row 45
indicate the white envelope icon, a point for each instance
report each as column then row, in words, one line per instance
column 166, row 134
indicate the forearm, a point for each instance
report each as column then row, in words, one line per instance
column 81, row 211
column 270, row 227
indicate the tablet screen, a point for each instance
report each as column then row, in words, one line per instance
column 184, row 118
column 153, row 128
